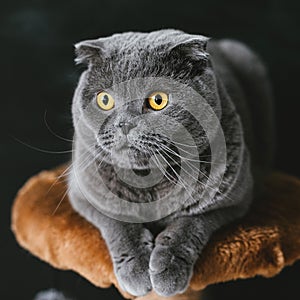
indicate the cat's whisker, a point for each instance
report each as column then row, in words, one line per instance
column 184, row 150
column 66, row 172
column 170, row 157
column 182, row 157
column 57, row 180
column 187, row 161
column 93, row 160
column 51, row 130
column 68, row 189
column 181, row 144
column 208, row 179
column 177, row 143
column 61, row 200
column 169, row 165
column 197, row 179
column 179, row 179
column 159, row 166
column 98, row 164
column 43, row 150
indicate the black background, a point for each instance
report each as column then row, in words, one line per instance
column 38, row 74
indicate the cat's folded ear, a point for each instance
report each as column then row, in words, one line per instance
column 88, row 51
column 192, row 47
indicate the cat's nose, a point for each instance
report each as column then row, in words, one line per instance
column 126, row 126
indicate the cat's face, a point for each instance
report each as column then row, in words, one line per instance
column 134, row 92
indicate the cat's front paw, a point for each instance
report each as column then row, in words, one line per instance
column 132, row 267
column 170, row 272
column 132, row 272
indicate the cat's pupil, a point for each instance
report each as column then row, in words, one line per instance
column 158, row 99
column 105, row 99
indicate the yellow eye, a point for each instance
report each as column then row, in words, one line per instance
column 105, row 101
column 158, row 100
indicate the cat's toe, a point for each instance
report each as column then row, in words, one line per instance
column 133, row 275
column 170, row 274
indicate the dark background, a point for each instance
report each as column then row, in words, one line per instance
column 38, row 74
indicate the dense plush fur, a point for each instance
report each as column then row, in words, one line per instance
column 51, row 294
column 160, row 255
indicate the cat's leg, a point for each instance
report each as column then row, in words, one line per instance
column 129, row 244
column 178, row 247
column 175, row 253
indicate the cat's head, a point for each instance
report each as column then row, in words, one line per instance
column 135, row 87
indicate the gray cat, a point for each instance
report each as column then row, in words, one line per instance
column 120, row 110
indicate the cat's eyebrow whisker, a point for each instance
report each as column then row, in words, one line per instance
column 43, row 150
column 51, row 130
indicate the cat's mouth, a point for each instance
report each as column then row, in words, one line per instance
column 142, row 172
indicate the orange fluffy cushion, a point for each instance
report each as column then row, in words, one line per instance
column 262, row 243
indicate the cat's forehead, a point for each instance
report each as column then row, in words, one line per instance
column 129, row 55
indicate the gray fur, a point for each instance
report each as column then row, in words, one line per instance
column 51, row 294
column 160, row 255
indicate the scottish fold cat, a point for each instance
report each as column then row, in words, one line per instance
column 173, row 132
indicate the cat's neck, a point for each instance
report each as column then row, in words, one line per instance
column 110, row 177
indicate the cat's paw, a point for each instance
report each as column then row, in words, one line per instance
column 170, row 273
column 132, row 270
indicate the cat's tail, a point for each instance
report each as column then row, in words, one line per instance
column 51, row 294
